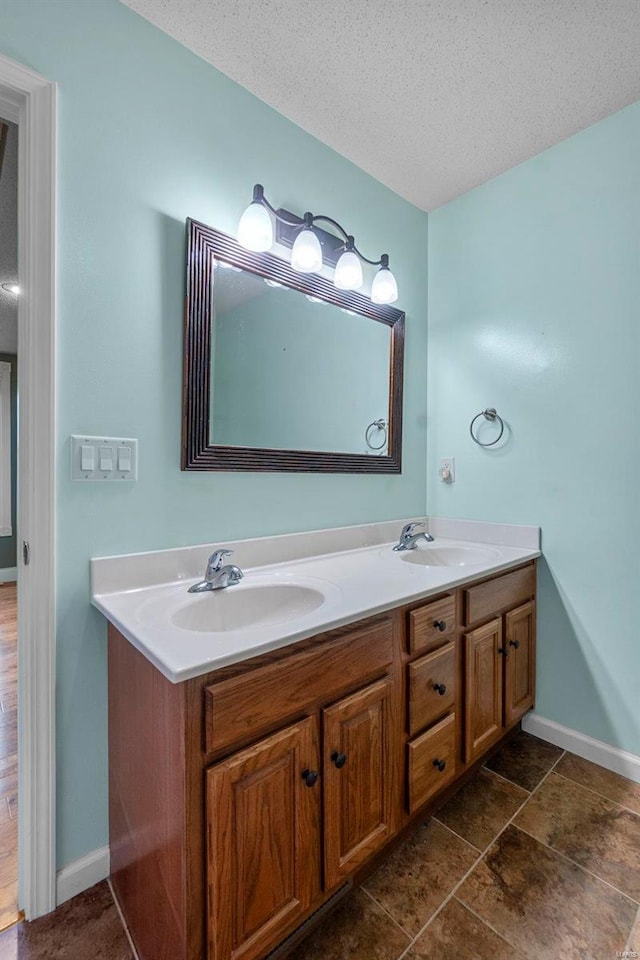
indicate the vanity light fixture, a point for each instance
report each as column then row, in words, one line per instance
column 312, row 247
column 12, row 288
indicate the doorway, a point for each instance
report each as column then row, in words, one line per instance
column 9, row 292
column 27, row 596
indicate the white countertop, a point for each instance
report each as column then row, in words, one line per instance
column 351, row 571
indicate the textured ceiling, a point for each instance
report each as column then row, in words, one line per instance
column 432, row 97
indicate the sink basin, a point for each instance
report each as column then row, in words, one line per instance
column 246, row 605
column 450, row 556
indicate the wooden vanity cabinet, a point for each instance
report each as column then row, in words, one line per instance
column 263, row 840
column 358, row 788
column 243, row 803
column 499, row 657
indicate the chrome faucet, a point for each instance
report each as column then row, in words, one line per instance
column 217, row 576
column 409, row 537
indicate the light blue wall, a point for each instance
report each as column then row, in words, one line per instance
column 534, row 308
column 149, row 134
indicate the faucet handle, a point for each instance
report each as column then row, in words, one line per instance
column 216, row 560
column 410, row 528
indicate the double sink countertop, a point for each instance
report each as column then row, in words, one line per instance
column 294, row 586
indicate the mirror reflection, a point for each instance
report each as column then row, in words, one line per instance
column 291, row 372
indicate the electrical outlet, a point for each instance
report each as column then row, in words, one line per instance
column 447, row 471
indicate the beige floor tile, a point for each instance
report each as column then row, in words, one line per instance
column 601, row 836
column 456, row 934
column 358, row 930
column 86, row 928
column 479, row 811
column 544, row 905
column 420, row 874
column 524, row 760
column 608, row 784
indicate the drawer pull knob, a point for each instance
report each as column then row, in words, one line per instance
column 339, row 759
column 514, row 643
column 440, row 625
column 440, row 688
column 440, row 764
column 310, row 777
column 503, row 651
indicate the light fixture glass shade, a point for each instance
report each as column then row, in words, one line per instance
column 306, row 255
column 348, row 275
column 255, row 230
column 384, row 288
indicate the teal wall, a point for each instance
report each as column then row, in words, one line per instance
column 534, row 287
column 297, row 375
column 8, row 544
column 149, row 134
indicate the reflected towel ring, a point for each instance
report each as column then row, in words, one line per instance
column 491, row 415
column 379, row 425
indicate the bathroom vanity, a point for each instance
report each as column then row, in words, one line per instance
column 251, row 789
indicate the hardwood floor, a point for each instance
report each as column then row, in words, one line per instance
column 8, row 756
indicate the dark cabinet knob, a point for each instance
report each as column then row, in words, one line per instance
column 440, row 625
column 514, row 643
column 339, row 759
column 310, row 777
column 503, row 651
column 440, row 688
column 440, row 764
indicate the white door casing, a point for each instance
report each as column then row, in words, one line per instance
column 30, row 100
column 5, row 449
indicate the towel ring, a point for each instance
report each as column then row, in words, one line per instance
column 379, row 425
column 491, row 415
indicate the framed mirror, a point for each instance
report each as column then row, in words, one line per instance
column 282, row 371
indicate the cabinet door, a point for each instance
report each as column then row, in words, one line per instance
column 357, row 779
column 263, row 832
column 520, row 633
column 483, row 695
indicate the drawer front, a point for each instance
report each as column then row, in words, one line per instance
column 242, row 708
column 431, row 761
column 432, row 625
column 495, row 596
column 432, row 687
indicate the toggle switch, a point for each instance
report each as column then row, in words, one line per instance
column 124, row 459
column 106, row 459
column 87, row 458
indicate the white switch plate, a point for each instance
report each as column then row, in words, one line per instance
column 122, row 449
column 447, row 471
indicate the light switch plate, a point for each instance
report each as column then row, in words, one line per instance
column 123, row 451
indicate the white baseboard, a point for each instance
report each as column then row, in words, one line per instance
column 8, row 574
column 82, row 874
column 612, row 758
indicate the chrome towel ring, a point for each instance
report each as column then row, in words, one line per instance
column 378, row 425
column 491, row 415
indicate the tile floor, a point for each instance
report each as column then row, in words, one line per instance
column 8, row 756
column 538, row 857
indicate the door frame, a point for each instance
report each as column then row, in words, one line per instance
column 30, row 100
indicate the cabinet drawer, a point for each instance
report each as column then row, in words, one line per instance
column 432, row 687
column 427, row 754
column 495, row 596
column 432, row 625
column 243, row 707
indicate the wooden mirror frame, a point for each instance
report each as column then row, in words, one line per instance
column 198, row 453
